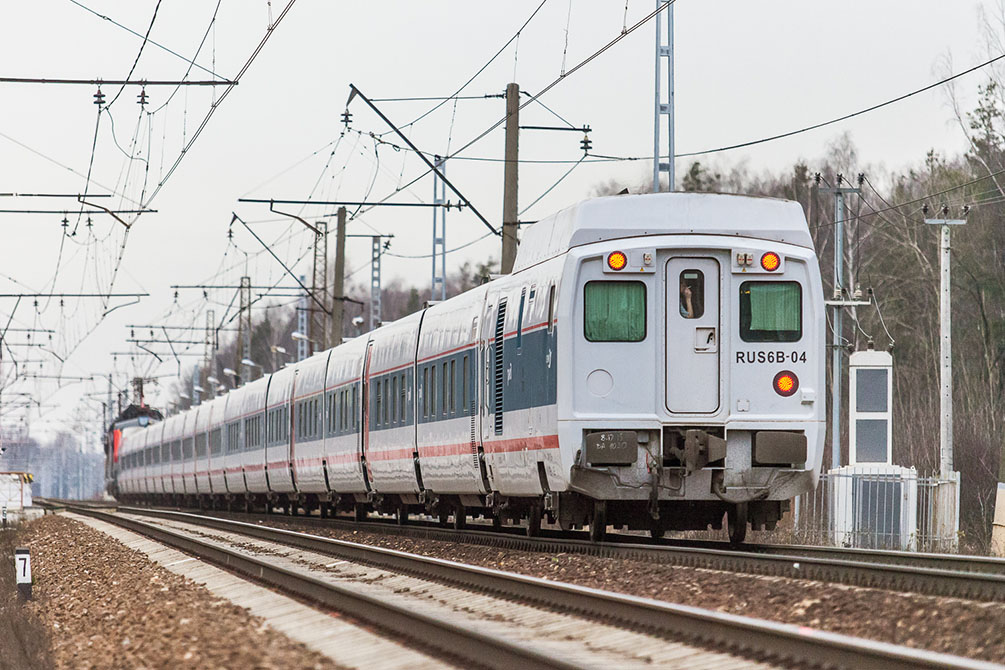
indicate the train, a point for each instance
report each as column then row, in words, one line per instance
column 652, row 362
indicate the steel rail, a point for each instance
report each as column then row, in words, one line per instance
column 973, row 577
column 743, row 636
column 454, row 641
column 925, row 576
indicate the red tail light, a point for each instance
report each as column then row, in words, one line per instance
column 786, row 383
column 617, row 260
column 771, row 261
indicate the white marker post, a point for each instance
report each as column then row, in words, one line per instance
column 22, row 569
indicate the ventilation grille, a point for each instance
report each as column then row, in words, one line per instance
column 499, row 371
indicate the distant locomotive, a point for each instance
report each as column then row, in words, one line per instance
column 652, row 362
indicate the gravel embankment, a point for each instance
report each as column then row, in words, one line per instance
column 24, row 643
column 108, row 606
column 948, row 625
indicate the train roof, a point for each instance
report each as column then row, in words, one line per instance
column 621, row 216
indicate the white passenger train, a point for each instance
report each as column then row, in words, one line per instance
column 652, row 362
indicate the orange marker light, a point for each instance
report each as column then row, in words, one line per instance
column 617, row 260
column 786, row 383
column 770, row 261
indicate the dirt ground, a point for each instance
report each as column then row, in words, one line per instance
column 101, row 605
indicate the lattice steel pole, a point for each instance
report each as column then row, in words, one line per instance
column 439, row 284
column 244, row 327
column 375, row 312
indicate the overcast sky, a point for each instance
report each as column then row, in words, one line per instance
column 744, row 70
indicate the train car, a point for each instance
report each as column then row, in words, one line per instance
column 652, row 362
column 309, row 413
column 388, row 431
column 200, row 458
column 158, row 456
column 279, row 436
column 347, row 475
column 448, row 423
column 215, row 461
column 253, row 458
column 234, row 420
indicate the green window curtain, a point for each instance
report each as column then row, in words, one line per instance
column 615, row 311
column 775, row 307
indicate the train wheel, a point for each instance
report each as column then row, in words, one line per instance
column 598, row 524
column 401, row 514
column 657, row 528
column 460, row 518
column 444, row 517
column 736, row 522
column 534, row 521
column 359, row 513
column 496, row 522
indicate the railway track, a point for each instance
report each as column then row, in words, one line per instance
column 751, row 639
column 969, row 577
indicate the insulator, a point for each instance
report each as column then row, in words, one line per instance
column 99, row 98
column 142, row 97
column 346, row 117
column 585, row 143
column 66, row 221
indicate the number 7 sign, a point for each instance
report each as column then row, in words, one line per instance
column 22, row 568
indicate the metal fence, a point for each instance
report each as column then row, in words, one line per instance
column 885, row 507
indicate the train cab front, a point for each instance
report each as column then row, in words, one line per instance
column 697, row 360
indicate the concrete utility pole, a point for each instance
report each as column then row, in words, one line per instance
column 510, row 174
column 661, row 108
column 319, row 289
column 439, row 232
column 338, row 287
column 945, row 347
column 838, row 303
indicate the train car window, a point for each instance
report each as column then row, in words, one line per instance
column 425, row 392
column 432, row 390
column 200, row 445
column 186, row 448
column 387, row 402
column 551, row 308
column 403, row 400
column 447, row 390
column 614, row 311
column 464, row 384
column 692, row 294
column 453, row 388
column 216, row 442
column 165, row 452
column 355, row 411
column 394, row 399
column 771, row 311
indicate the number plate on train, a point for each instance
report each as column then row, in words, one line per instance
column 612, row 447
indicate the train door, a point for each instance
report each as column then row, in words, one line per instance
column 693, row 334
column 365, row 418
